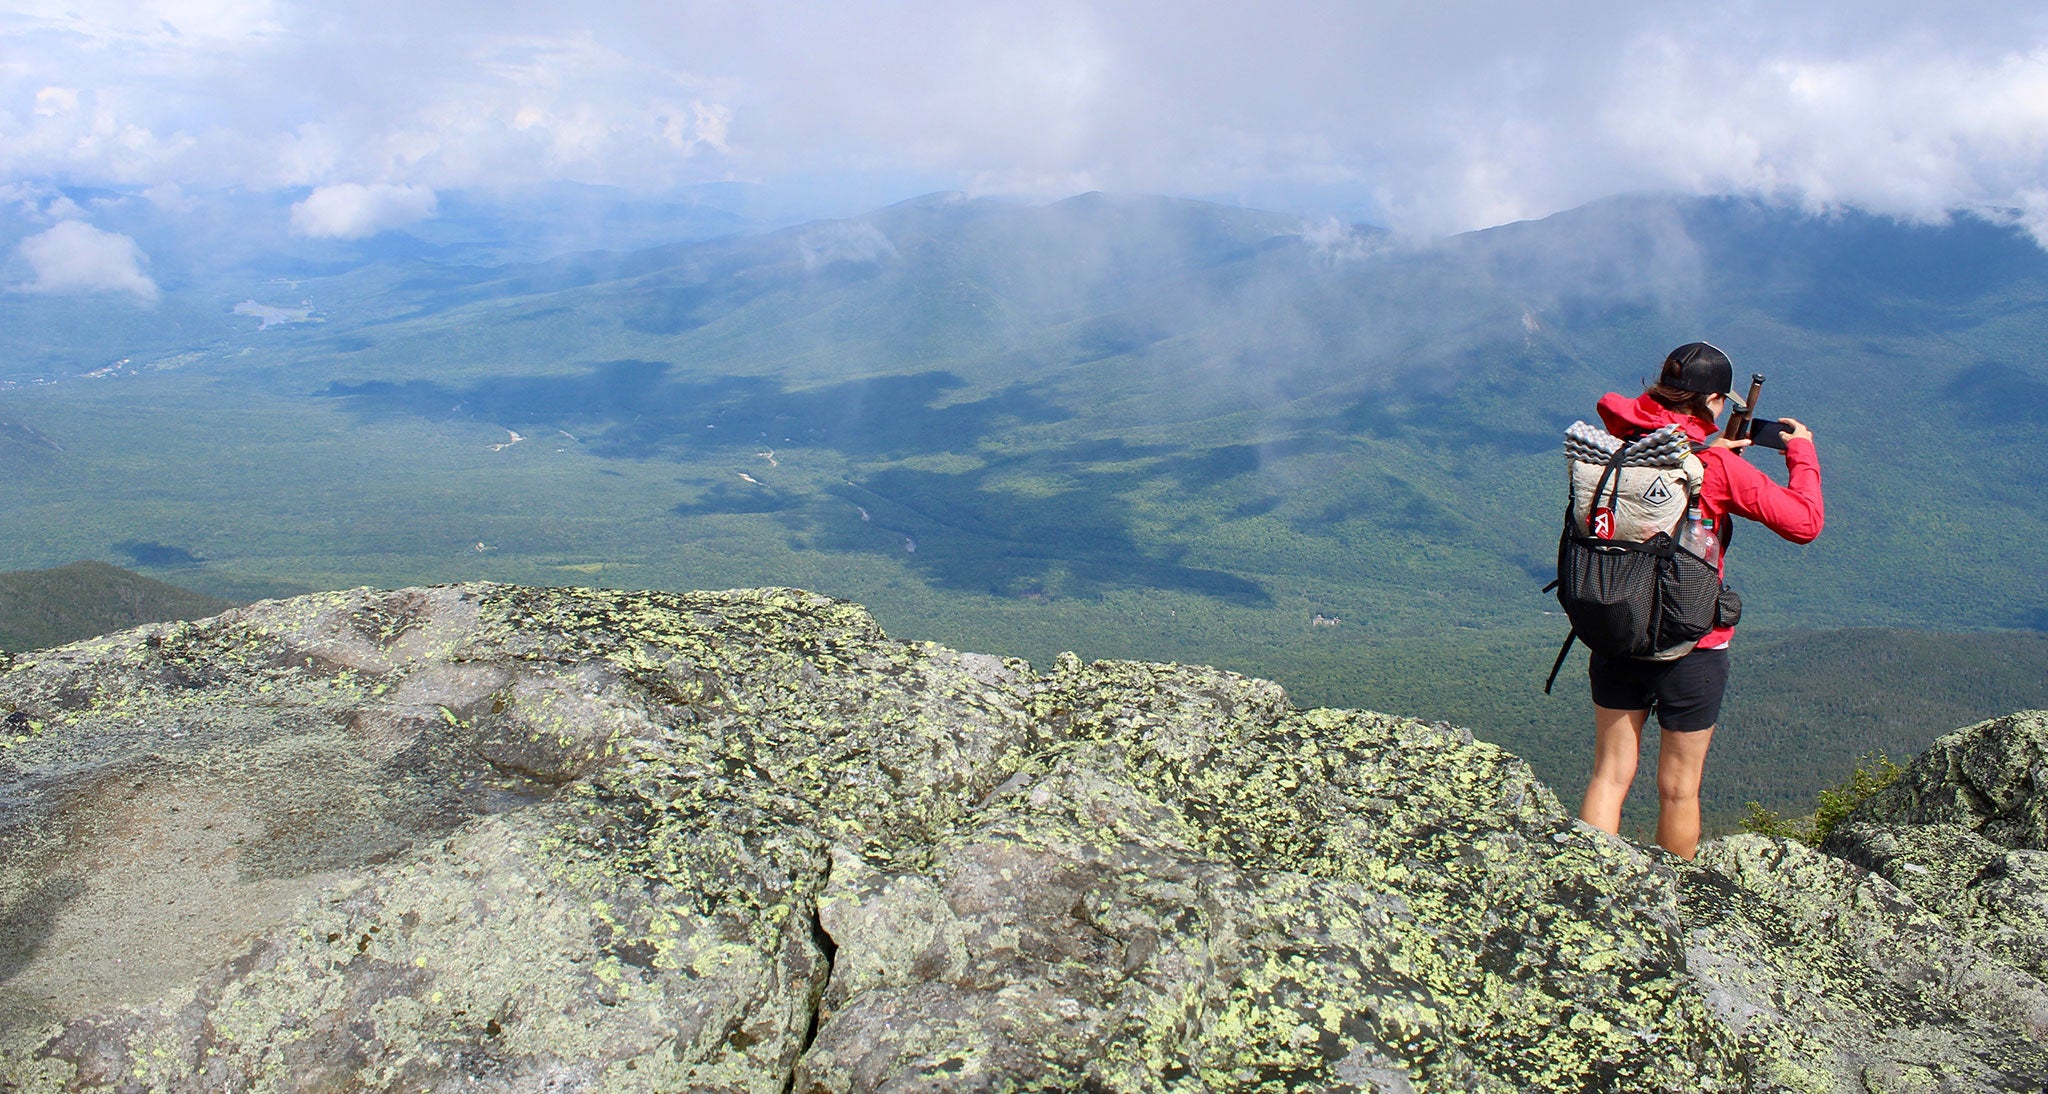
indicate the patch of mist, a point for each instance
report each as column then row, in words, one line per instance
column 855, row 242
column 1332, row 240
column 1631, row 252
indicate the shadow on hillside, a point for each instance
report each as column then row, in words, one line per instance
column 1393, row 504
column 638, row 410
column 157, row 555
column 1997, row 393
column 1446, row 422
column 1069, row 535
column 1198, row 469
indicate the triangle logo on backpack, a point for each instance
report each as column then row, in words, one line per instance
column 1658, row 492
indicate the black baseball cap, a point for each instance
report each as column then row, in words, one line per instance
column 1704, row 368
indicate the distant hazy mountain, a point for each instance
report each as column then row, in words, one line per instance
column 40, row 608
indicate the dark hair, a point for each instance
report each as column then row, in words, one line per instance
column 1667, row 391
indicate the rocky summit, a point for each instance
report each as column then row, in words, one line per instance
column 492, row 838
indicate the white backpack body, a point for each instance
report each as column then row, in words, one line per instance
column 1647, row 499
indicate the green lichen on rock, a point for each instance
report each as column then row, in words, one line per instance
column 493, row 837
column 1964, row 831
column 652, row 780
column 1994, row 896
column 1827, row 969
column 1991, row 778
column 1364, row 893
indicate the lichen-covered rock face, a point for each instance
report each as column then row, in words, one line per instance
column 1964, row 832
column 1823, row 968
column 1996, row 898
column 1990, row 778
column 492, row 838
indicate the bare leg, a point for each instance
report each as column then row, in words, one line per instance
column 1617, row 741
column 1681, row 761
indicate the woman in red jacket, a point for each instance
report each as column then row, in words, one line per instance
column 1692, row 390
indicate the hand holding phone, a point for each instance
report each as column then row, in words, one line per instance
column 1769, row 432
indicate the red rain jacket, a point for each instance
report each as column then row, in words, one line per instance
column 1732, row 485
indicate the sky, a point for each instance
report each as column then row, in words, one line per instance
column 367, row 116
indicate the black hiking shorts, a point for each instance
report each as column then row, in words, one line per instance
column 1686, row 693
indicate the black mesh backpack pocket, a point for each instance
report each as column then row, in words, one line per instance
column 1650, row 600
column 1689, row 591
column 1611, row 589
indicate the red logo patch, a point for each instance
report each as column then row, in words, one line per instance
column 1603, row 523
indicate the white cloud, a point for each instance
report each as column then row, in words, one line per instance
column 75, row 257
column 1433, row 117
column 25, row 198
column 170, row 197
column 55, row 101
column 352, row 210
column 1914, row 135
column 711, row 123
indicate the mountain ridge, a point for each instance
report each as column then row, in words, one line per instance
column 80, row 600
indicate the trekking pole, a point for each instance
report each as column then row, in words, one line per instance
column 1738, row 422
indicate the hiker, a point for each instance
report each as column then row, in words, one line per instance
column 1691, row 391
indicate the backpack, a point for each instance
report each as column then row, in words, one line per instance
column 1623, row 581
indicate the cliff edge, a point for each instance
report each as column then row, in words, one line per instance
column 485, row 837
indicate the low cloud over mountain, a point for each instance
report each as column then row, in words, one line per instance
column 352, row 211
column 76, row 257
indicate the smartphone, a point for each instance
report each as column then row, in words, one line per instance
column 1767, row 433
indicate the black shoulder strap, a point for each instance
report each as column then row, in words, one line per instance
column 1613, row 472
